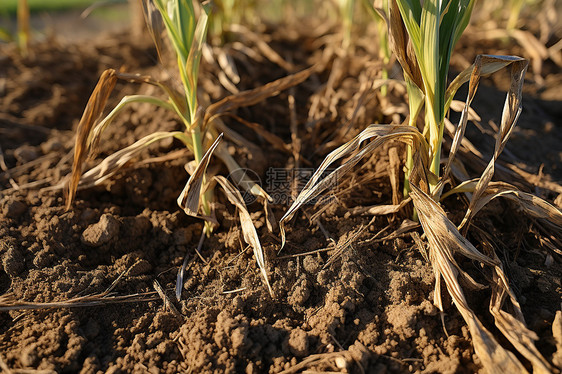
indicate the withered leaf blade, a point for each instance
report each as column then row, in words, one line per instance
column 155, row 25
column 114, row 162
column 378, row 134
column 444, row 239
column 93, row 111
column 188, row 200
column 248, row 229
column 402, row 45
column 533, row 205
column 256, row 95
column 485, row 65
column 510, row 115
column 513, row 326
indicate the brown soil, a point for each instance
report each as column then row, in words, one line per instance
column 373, row 304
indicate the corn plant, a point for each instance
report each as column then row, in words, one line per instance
column 230, row 12
column 423, row 35
column 203, row 129
column 424, row 52
column 23, row 36
column 514, row 12
column 346, row 9
column 384, row 46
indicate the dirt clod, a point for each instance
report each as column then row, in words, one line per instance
column 298, row 342
column 14, row 209
column 102, row 232
column 13, row 262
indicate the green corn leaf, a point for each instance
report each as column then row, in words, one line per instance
column 193, row 59
column 173, row 31
column 185, row 21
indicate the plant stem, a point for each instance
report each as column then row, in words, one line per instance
column 23, row 27
column 415, row 103
column 206, row 197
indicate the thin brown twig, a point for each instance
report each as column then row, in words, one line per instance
column 85, row 301
column 167, row 303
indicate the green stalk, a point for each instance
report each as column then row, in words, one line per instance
column 346, row 8
column 23, row 27
column 415, row 103
column 207, row 196
column 385, row 54
column 515, row 10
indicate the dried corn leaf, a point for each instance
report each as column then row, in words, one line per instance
column 270, row 220
column 514, row 328
column 240, row 175
column 188, row 200
column 531, row 204
column 510, row 114
column 113, row 163
column 378, row 134
column 93, row 111
column 248, row 230
column 254, row 96
column 443, row 231
column 394, row 174
column 402, row 45
column 155, row 25
column 444, row 239
column 489, row 64
column 379, row 210
column 484, row 65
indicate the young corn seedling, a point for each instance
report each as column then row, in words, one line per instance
column 423, row 35
column 384, row 50
column 23, row 36
column 203, row 129
column 346, row 9
column 423, row 38
column 230, row 12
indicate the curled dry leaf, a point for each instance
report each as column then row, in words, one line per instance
column 485, row 65
column 402, row 45
column 378, row 134
column 240, row 175
column 531, row 204
column 155, row 25
column 379, row 210
column 93, row 111
column 188, row 200
column 248, row 229
column 511, row 112
column 254, row 96
column 445, row 240
column 513, row 326
column 112, row 163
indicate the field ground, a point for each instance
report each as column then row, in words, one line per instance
column 370, row 310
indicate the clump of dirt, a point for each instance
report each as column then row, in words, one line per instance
column 370, row 308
